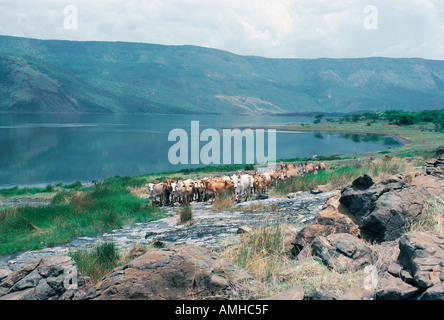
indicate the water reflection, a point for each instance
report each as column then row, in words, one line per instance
column 42, row 149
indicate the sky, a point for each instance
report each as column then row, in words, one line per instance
column 273, row 28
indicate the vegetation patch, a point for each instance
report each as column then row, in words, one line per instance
column 97, row 262
column 85, row 212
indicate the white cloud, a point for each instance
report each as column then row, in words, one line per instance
column 271, row 28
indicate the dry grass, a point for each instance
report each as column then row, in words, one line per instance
column 265, row 255
column 185, row 213
column 432, row 219
column 339, row 177
column 260, row 207
column 223, row 202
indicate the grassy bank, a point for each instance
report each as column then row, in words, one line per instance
column 414, row 138
column 342, row 175
column 79, row 212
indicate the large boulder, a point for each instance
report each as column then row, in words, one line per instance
column 342, row 251
column 384, row 210
column 50, row 278
column 333, row 218
column 393, row 288
column 422, row 255
column 171, row 273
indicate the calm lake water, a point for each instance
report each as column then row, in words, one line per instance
column 38, row 149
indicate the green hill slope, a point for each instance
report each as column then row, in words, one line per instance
column 71, row 76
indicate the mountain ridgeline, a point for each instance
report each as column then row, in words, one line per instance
column 120, row 77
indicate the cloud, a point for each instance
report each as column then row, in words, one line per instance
column 272, row 28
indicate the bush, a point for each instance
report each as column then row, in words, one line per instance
column 97, row 262
column 185, row 213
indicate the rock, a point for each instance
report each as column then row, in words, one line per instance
column 47, row 278
column 384, row 210
column 137, row 251
column 394, row 269
column 422, row 255
column 436, row 168
column 342, row 251
column 296, row 293
column 18, row 275
column 359, row 292
column 175, row 272
column 426, row 184
column 333, row 218
column 4, row 272
column 30, row 281
column 391, row 288
column 322, row 294
column 434, row 293
column 54, row 266
column 363, row 181
column 244, row 229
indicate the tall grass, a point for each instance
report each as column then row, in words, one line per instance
column 341, row 176
column 97, row 262
column 223, row 201
column 73, row 213
column 260, row 253
column 185, row 213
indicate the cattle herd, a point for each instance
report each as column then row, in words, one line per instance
column 241, row 186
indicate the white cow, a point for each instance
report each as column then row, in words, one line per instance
column 245, row 186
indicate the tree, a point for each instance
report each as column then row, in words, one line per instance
column 318, row 118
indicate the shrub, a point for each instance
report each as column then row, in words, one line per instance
column 185, row 213
column 97, row 262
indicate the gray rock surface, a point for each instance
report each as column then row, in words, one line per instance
column 48, row 278
column 342, row 251
column 384, row 210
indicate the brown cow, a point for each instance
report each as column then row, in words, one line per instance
column 320, row 166
column 218, row 186
column 308, row 167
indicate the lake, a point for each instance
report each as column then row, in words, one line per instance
column 39, row 149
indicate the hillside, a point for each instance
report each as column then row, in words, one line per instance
column 71, row 76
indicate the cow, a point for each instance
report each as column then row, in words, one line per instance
column 320, row 166
column 308, row 167
column 258, row 184
column 266, row 176
column 217, row 186
column 244, row 186
column 292, row 173
column 158, row 190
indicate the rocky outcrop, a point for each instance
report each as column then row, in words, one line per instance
column 342, row 252
column 333, row 218
column 422, row 255
column 384, row 210
column 175, row 272
column 49, row 278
